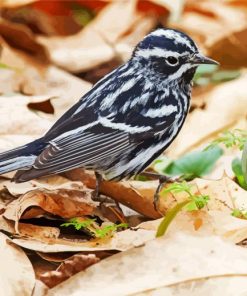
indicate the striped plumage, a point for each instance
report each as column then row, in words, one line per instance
column 125, row 121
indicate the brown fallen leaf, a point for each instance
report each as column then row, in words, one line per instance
column 12, row 33
column 17, row 275
column 158, row 263
column 224, row 194
column 22, row 73
column 49, row 183
column 68, row 268
column 137, row 198
column 66, row 203
column 120, row 241
column 29, row 230
column 61, row 88
column 90, row 47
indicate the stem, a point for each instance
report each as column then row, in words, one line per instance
column 171, row 214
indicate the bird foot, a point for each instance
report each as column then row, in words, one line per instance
column 163, row 179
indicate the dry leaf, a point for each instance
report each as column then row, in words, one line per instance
column 159, row 263
column 20, row 72
column 204, row 223
column 17, row 275
column 12, row 33
column 40, row 289
column 29, row 230
column 66, row 203
column 29, row 123
column 136, row 195
column 90, row 47
column 224, row 193
column 120, row 241
column 50, row 183
column 64, row 90
column 68, row 268
column 24, row 74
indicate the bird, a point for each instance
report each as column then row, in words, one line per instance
column 125, row 121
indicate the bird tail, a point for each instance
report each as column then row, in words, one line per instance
column 20, row 157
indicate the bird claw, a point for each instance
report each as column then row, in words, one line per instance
column 162, row 181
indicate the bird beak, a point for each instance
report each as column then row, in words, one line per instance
column 201, row 59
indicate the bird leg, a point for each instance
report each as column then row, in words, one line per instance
column 96, row 192
column 163, row 179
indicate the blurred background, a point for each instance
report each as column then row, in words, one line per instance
column 53, row 51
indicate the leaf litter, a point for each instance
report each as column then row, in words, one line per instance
column 32, row 214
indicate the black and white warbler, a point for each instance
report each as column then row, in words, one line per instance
column 125, row 121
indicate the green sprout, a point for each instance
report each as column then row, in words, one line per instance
column 239, row 214
column 78, row 223
column 192, row 203
column 91, row 226
column 109, row 229
column 231, row 139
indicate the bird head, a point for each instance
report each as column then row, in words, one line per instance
column 170, row 53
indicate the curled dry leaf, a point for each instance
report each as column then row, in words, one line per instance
column 120, row 241
column 213, row 25
column 68, row 268
column 112, row 276
column 66, row 203
column 17, row 275
column 29, row 230
column 197, row 129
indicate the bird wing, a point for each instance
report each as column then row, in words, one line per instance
column 82, row 148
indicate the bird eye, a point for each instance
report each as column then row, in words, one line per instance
column 172, row 61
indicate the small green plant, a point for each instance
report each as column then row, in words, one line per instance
column 238, row 172
column 109, row 229
column 244, row 162
column 91, row 226
column 239, row 214
column 78, row 223
column 197, row 201
column 192, row 165
column 192, row 203
column 231, row 139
